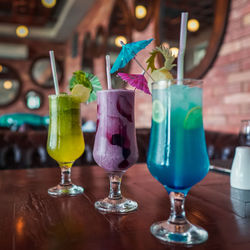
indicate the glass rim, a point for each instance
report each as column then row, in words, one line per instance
column 114, row 90
column 188, row 81
column 56, row 96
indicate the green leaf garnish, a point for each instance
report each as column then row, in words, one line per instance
column 151, row 60
column 80, row 77
column 96, row 85
column 88, row 80
column 169, row 58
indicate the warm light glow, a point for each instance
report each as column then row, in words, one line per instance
column 7, row 84
column 140, row 11
column 193, row 25
column 49, row 3
column 22, row 31
column 20, row 226
column 1, row 68
column 118, row 39
column 165, row 45
column 174, row 51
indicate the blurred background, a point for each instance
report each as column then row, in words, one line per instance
column 82, row 32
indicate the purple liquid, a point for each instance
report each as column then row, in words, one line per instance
column 115, row 146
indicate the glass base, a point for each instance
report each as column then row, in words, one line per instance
column 119, row 206
column 186, row 233
column 65, row 190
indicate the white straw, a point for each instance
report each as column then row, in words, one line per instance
column 182, row 48
column 53, row 67
column 108, row 71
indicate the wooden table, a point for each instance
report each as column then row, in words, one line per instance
column 31, row 219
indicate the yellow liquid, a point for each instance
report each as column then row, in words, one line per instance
column 65, row 139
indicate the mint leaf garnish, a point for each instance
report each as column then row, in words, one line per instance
column 80, row 77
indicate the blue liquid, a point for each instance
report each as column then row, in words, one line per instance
column 177, row 155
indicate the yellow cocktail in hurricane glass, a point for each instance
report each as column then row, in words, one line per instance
column 65, row 140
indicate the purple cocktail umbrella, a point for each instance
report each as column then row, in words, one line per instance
column 136, row 80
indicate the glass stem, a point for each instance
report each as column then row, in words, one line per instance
column 177, row 214
column 115, row 179
column 66, row 175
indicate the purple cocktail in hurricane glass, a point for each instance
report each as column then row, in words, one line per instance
column 115, row 147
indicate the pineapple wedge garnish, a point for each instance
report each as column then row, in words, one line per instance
column 164, row 72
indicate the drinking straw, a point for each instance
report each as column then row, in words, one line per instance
column 182, row 47
column 53, row 67
column 108, row 71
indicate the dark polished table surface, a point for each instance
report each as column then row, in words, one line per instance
column 31, row 219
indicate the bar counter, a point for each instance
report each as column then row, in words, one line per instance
column 31, row 219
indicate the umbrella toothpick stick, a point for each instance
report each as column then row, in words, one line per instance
column 143, row 68
column 122, row 44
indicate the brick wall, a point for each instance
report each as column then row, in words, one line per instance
column 227, row 84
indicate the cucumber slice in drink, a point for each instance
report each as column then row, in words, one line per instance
column 159, row 112
column 80, row 93
column 193, row 119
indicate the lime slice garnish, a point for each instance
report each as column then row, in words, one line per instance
column 158, row 111
column 193, row 118
column 80, row 93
